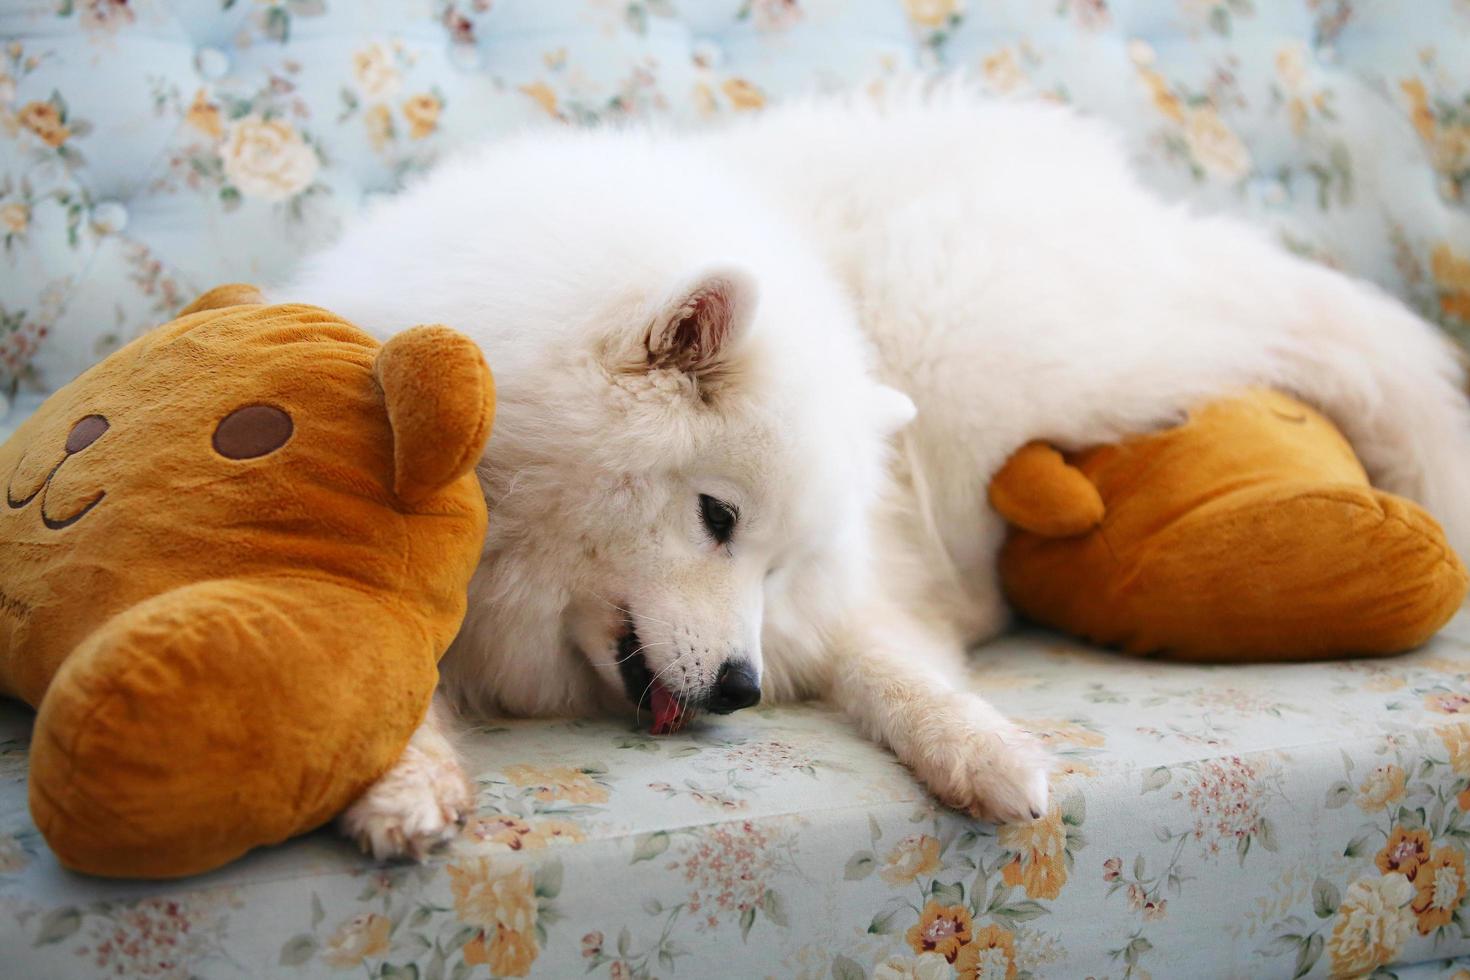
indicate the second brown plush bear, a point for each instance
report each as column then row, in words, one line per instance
column 1250, row 532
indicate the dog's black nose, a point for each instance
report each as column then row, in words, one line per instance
column 736, row 688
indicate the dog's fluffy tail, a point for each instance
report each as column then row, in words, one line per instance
column 1394, row 384
column 1240, row 311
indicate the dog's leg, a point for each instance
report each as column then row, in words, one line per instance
column 901, row 684
column 419, row 803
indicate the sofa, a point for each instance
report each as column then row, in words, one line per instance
column 1268, row 821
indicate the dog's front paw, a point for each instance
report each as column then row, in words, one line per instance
column 993, row 772
column 417, row 806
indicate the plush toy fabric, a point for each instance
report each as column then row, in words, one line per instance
column 230, row 557
column 1250, row 532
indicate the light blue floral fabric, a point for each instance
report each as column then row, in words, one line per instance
column 1245, row 822
column 151, row 149
column 1242, row 822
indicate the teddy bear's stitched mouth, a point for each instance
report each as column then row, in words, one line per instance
column 55, row 524
column 87, row 430
column 10, row 488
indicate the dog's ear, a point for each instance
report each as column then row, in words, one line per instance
column 891, row 409
column 701, row 321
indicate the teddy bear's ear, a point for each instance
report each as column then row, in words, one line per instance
column 441, row 401
column 1039, row 491
column 231, row 294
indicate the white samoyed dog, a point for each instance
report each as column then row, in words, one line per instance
column 753, row 383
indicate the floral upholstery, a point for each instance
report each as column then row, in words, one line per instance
column 1208, row 821
column 1242, row 822
column 150, row 149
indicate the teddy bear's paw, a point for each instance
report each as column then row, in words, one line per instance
column 994, row 772
column 417, row 806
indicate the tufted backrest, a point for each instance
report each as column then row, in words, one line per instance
column 150, row 149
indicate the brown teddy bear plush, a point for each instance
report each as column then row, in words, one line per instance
column 1250, row 532
column 231, row 555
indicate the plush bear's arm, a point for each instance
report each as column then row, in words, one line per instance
column 1038, row 491
column 222, row 716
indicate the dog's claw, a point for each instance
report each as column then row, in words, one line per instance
column 415, row 808
column 994, row 774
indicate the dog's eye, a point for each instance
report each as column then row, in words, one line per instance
column 719, row 518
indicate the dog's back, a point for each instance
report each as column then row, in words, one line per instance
column 1019, row 284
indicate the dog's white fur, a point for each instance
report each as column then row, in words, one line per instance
column 995, row 262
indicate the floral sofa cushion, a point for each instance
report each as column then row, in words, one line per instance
column 152, row 148
column 1271, row 821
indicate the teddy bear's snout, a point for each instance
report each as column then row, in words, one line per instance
column 86, row 431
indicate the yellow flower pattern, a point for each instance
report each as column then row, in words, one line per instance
column 1371, row 925
column 422, row 113
column 45, row 121
column 557, row 783
column 915, row 856
column 500, row 900
column 1439, row 888
column 268, row 158
column 941, row 929
column 1451, row 271
column 743, row 95
column 1383, row 787
column 1040, row 863
column 933, row 13
column 364, row 936
column 989, row 955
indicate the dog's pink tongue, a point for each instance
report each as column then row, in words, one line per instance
column 668, row 715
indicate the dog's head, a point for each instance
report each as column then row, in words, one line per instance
column 688, row 437
column 691, row 478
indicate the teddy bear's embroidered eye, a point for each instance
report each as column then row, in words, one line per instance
column 252, row 431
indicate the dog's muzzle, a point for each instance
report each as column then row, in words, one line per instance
column 736, row 687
